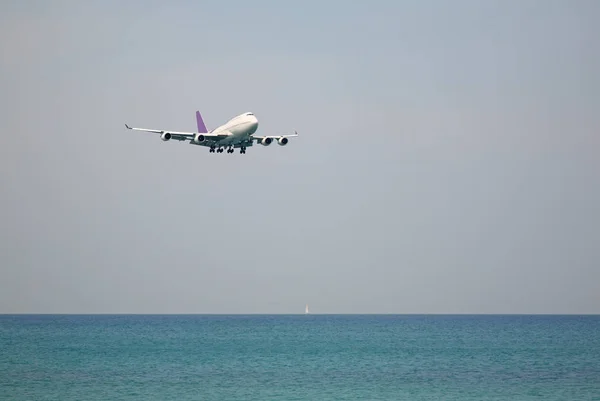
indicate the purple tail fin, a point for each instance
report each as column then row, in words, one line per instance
column 201, row 127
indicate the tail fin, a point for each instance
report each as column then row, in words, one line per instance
column 201, row 126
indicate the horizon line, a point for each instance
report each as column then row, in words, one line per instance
column 293, row 314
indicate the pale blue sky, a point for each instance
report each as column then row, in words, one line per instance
column 447, row 161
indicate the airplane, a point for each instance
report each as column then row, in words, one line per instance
column 239, row 132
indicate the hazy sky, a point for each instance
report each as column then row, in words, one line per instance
column 447, row 159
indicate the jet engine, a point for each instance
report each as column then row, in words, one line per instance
column 165, row 136
column 266, row 141
column 199, row 138
column 282, row 141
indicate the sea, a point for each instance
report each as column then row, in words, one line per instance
column 299, row 357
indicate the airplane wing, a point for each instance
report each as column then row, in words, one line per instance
column 260, row 138
column 179, row 136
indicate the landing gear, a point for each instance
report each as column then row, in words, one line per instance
column 230, row 149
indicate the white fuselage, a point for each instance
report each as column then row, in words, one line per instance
column 238, row 129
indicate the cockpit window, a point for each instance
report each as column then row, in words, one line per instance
column 249, row 114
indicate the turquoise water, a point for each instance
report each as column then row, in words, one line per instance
column 313, row 357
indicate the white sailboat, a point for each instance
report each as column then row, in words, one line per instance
column 306, row 312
